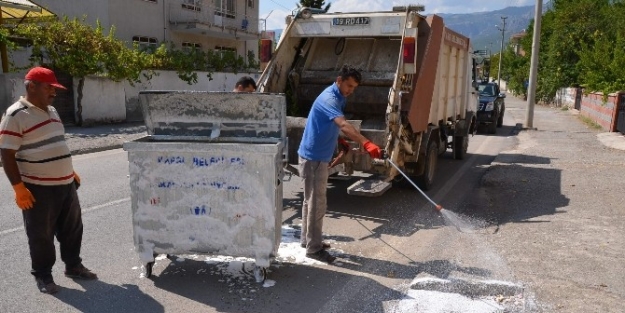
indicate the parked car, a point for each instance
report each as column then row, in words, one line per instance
column 492, row 106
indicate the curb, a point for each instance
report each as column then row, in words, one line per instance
column 90, row 150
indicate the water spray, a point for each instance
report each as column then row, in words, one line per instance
column 437, row 206
column 451, row 217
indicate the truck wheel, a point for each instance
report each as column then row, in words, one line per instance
column 426, row 180
column 460, row 147
column 492, row 127
column 500, row 120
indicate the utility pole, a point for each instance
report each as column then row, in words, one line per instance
column 4, row 59
column 490, row 57
column 503, row 31
column 265, row 22
column 531, row 94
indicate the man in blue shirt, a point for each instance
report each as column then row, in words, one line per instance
column 325, row 120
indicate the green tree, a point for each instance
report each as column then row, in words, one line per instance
column 602, row 61
column 318, row 4
column 81, row 50
column 187, row 62
column 4, row 36
column 580, row 46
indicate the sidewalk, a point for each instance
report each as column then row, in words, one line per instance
column 83, row 140
column 556, row 205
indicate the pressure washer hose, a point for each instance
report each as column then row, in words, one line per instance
column 437, row 206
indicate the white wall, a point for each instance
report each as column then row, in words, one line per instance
column 103, row 100
column 106, row 101
column 11, row 88
column 566, row 97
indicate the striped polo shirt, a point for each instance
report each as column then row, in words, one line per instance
column 43, row 157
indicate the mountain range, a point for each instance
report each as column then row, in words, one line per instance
column 484, row 28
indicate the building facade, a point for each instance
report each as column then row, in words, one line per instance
column 221, row 25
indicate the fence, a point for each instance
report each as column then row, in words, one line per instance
column 604, row 112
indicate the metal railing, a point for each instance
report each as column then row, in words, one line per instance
column 207, row 14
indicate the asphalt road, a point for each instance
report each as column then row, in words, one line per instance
column 383, row 244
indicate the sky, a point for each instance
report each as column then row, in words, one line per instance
column 275, row 11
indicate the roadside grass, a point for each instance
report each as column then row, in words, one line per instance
column 564, row 108
column 589, row 122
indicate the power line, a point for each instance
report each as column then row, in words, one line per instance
column 281, row 5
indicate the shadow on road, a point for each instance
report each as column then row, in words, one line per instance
column 235, row 290
column 391, row 211
column 517, row 189
column 503, row 131
column 439, row 268
column 99, row 296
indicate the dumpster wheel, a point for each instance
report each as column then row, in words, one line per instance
column 148, row 269
column 260, row 273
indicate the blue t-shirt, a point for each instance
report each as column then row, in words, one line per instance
column 321, row 133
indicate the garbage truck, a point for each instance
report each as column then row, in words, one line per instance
column 417, row 97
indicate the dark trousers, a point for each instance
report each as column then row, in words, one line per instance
column 315, row 176
column 56, row 212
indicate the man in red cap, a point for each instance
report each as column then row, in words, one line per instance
column 38, row 163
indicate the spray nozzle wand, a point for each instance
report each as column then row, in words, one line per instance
column 388, row 161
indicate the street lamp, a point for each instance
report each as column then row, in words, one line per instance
column 490, row 57
column 503, row 31
column 265, row 22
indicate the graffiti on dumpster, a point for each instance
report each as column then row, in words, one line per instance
column 219, row 185
column 170, row 159
column 201, row 161
column 198, row 162
column 205, row 161
column 200, row 210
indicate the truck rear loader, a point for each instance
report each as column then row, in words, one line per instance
column 417, row 96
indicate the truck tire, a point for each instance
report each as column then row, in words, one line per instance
column 426, row 180
column 460, row 145
column 492, row 127
column 500, row 119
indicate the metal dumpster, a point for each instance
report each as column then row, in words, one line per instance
column 208, row 177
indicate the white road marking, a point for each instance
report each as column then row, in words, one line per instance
column 90, row 209
column 450, row 183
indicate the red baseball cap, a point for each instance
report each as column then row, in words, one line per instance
column 43, row 75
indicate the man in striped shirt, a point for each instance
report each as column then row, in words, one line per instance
column 38, row 163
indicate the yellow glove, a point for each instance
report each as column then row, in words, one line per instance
column 23, row 197
column 77, row 180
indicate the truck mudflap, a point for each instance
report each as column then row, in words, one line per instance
column 369, row 187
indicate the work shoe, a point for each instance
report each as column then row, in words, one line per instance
column 324, row 245
column 80, row 272
column 47, row 285
column 321, row 255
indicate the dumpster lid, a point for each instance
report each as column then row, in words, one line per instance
column 214, row 116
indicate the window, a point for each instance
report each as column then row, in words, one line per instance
column 191, row 45
column 225, row 8
column 223, row 51
column 21, row 44
column 144, row 42
column 192, row 5
column 250, row 4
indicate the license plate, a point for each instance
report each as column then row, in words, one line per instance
column 350, row 21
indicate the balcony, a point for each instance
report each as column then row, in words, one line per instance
column 203, row 20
